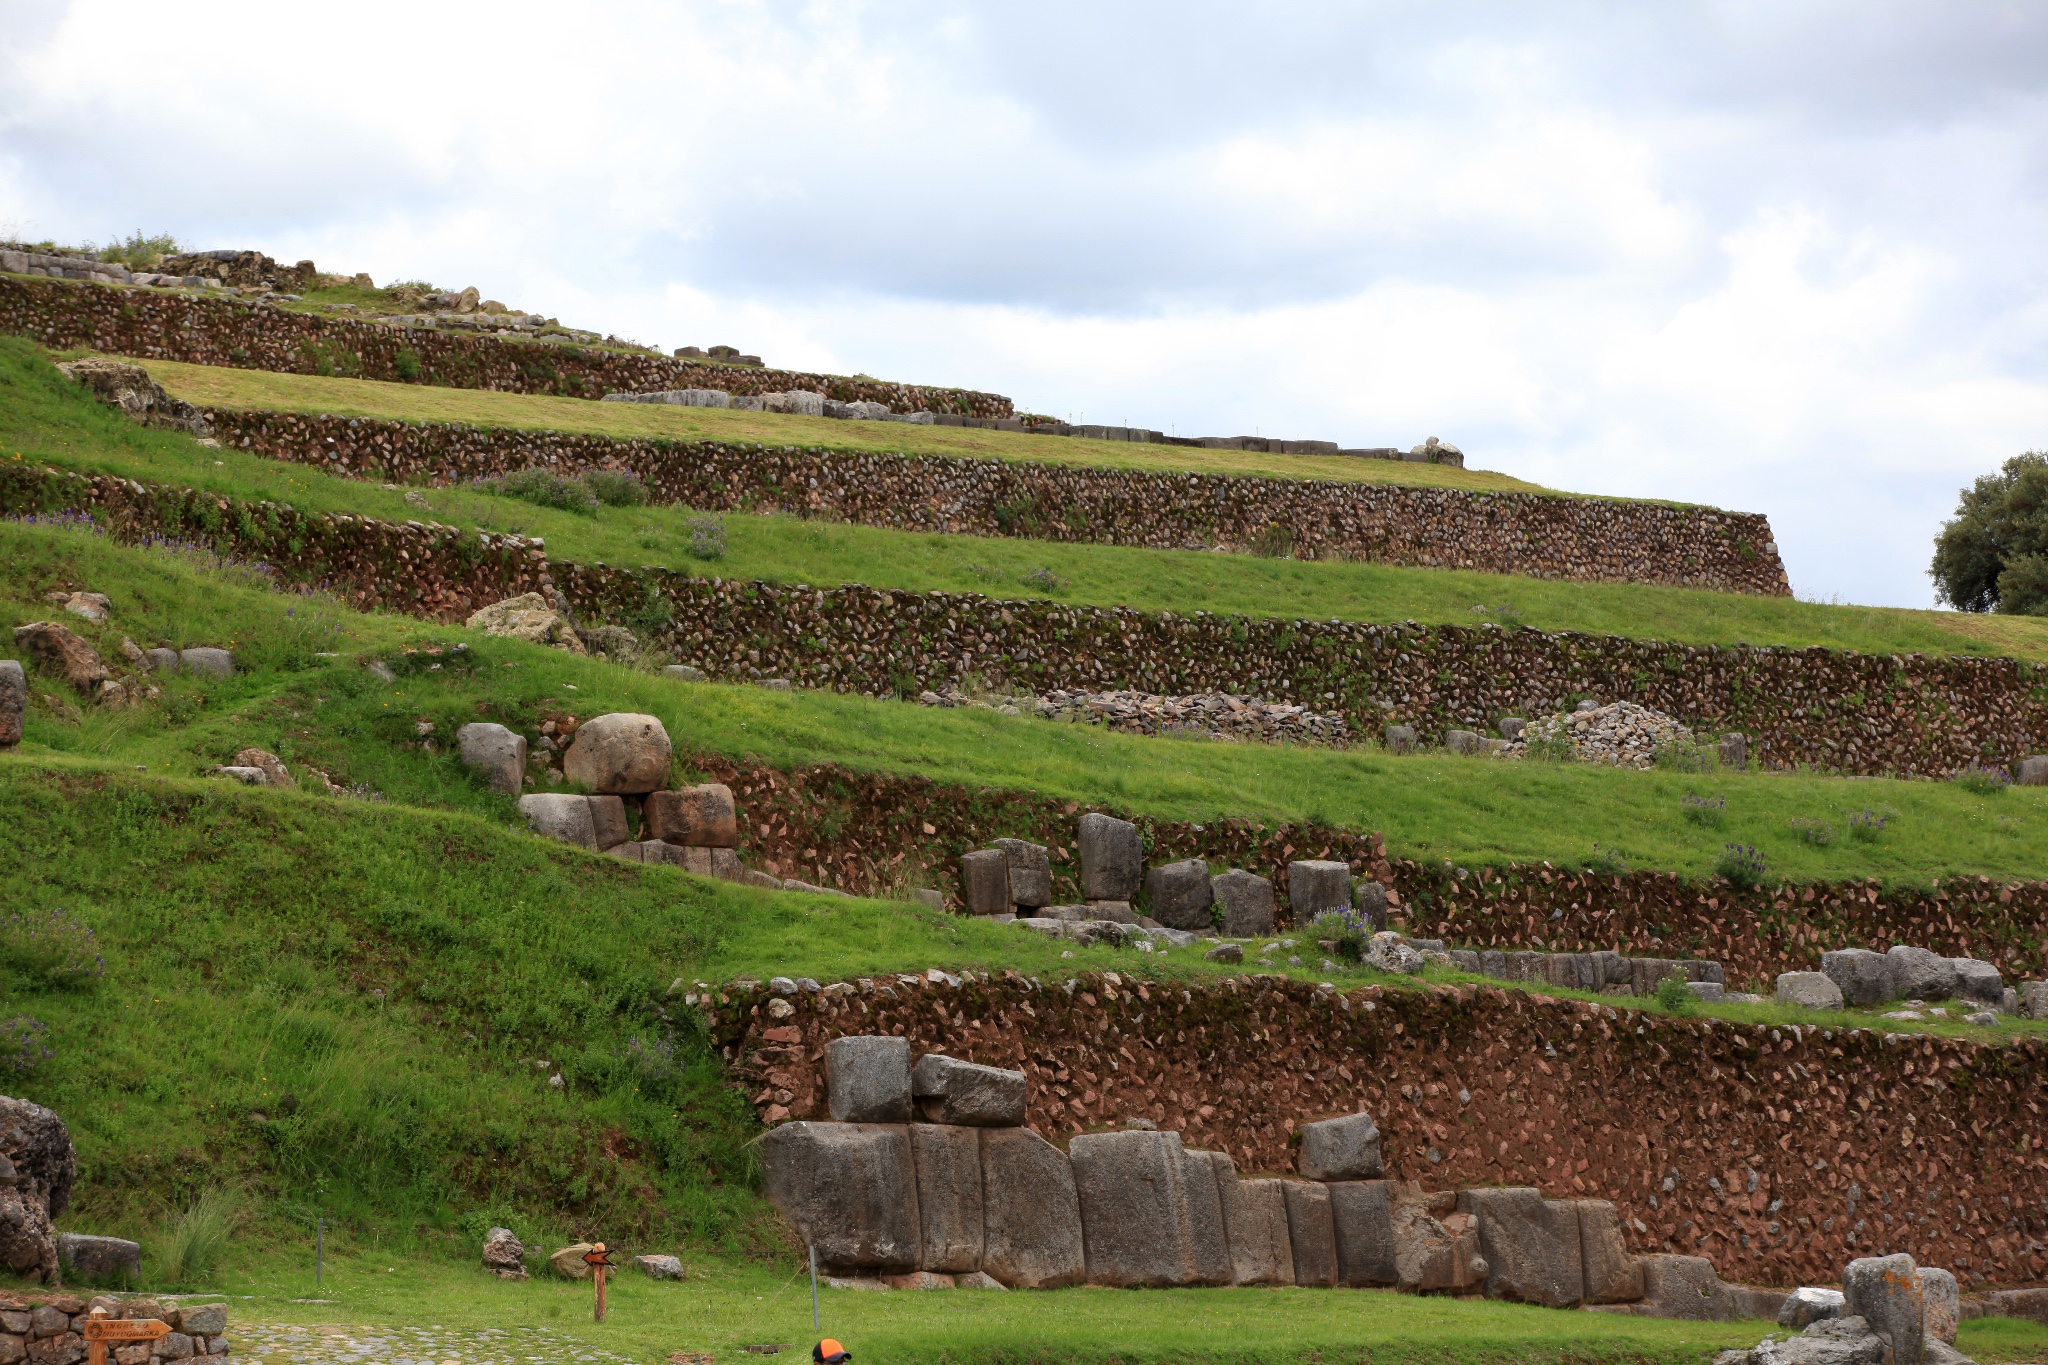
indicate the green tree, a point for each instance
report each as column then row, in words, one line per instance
column 1993, row 555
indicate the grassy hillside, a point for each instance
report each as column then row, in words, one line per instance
column 43, row 417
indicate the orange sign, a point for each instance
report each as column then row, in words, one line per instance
column 100, row 1331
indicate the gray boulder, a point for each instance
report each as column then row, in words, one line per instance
column 1804, row 1307
column 947, row 1162
column 849, row 1189
column 1247, row 901
column 1030, row 872
column 1832, row 1341
column 504, row 1255
column 1205, row 1174
column 683, row 673
column 1317, row 885
column 2031, row 771
column 1865, row 978
column 1511, row 727
column 608, row 821
column 1361, row 1213
column 1531, row 1245
column 99, row 1260
column 1432, row 1254
column 1885, row 1291
column 13, row 702
column 1612, row 1275
column 985, row 882
column 623, row 753
column 1809, row 990
column 562, row 816
column 1112, row 858
column 1461, row 742
column 659, row 1267
column 1920, row 975
column 867, row 1079
column 162, row 660
column 1977, row 980
column 1031, row 1212
column 2034, row 999
column 703, row 816
column 1733, row 750
column 1225, row 952
column 1941, row 1302
column 1369, row 899
column 1400, row 739
column 496, row 753
column 1345, row 1148
column 1684, row 1287
column 948, row 1090
column 1311, row 1233
column 1180, row 894
column 206, row 662
column 1135, row 1220
column 1255, row 1219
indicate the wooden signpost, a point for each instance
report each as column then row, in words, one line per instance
column 599, row 1260
column 99, row 1330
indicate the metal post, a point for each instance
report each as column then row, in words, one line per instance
column 814, row 1291
column 319, row 1249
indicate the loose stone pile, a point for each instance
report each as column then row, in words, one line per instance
column 1207, row 715
column 1859, row 976
column 1620, row 733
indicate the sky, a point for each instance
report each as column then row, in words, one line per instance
column 1781, row 257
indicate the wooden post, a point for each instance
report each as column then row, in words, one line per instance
column 101, row 1329
column 599, row 1260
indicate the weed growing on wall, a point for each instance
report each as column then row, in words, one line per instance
column 1741, row 865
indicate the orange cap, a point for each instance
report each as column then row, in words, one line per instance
column 830, row 1352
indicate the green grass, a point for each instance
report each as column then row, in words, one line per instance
column 221, row 387
column 1994, row 1341
column 42, row 417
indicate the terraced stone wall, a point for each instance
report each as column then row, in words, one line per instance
column 1787, row 1152
column 149, row 324
column 1909, row 715
column 1576, row 539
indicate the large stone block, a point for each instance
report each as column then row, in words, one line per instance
column 1920, row 975
column 2034, row 999
column 1361, row 1214
column 1941, row 1303
column 1247, row 901
column 1345, row 1148
column 1180, row 894
column 1317, row 885
column 1531, row 1245
column 1885, row 1291
column 1256, row 1222
column 948, row 1090
column 1684, row 1287
column 608, row 821
column 849, row 1189
column 1809, row 990
column 98, row 1260
column 1134, row 1208
column 207, row 662
column 1432, row 1253
column 1311, row 1233
column 1865, row 978
column 702, row 816
column 949, row 1200
column 1205, row 1174
column 1612, row 1275
column 564, row 816
column 1031, row 1212
column 985, row 882
column 867, row 1079
column 623, row 753
column 497, row 754
column 1979, row 981
column 1112, row 858
column 2031, row 771
column 1030, row 872
column 13, row 702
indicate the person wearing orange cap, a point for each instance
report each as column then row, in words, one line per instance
column 830, row 1352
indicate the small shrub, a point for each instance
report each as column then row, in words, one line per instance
column 53, row 950
column 544, row 488
column 1819, row 833
column 191, row 1248
column 1711, row 811
column 1275, row 542
column 1347, row 928
column 407, row 364
column 1674, row 995
column 1548, row 746
column 1045, row 580
column 22, row 1048
column 1685, row 755
column 616, row 487
column 706, row 538
column 1982, row 781
column 1741, row 865
column 1867, row 826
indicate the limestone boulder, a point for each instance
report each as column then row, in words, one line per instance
column 1205, row 1176
column 1809, row 990
column 207, row 662
column 950, row 1091
column 1180, row 894
column 1247, row 901
column 985, row 882
column 608, row 821
column 1684, row 1287
column 1399, row 739
column 494, row 753
column 1317, row 885
column 867, row 1079
column 849, row 1189
column 1031, row 1211
column 568, row 1262
column 1135, row 1220
column 1255, row 1220
column 504, row 1255
column 562, row 816
column 37, row 1145
column 1806, row 1306
column 1433, row 1252
column 1346, row 1148
column 949, row 1197
column 1918, row 974
column 1311, row 1233
column 2034, row 999
column 13, row 702
column 1531, row 1246
column 1369, row 899
column 275, row 774
column 1612, row 1275
column 703, row 816
column 58, row 651
column 1361, row 1216
column 1941, row 1303
column 1834, row 1341
column 1030, row 872
column 1865, row 978
column 99, row 1260
column 659, row 1267
column 1112, row 858
column 1886, row 1292
column 1979, row 981
column 527, row 617
column 623, row 753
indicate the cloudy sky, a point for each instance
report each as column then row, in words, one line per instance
column 1775, row 256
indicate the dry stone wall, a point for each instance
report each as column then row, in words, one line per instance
column 62, row 314
column 1541, row 536
column 1908, row 715
column 1780, row 1153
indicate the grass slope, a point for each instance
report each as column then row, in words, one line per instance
column 43, row 417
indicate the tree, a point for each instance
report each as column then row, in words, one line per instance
column 1993, row 556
